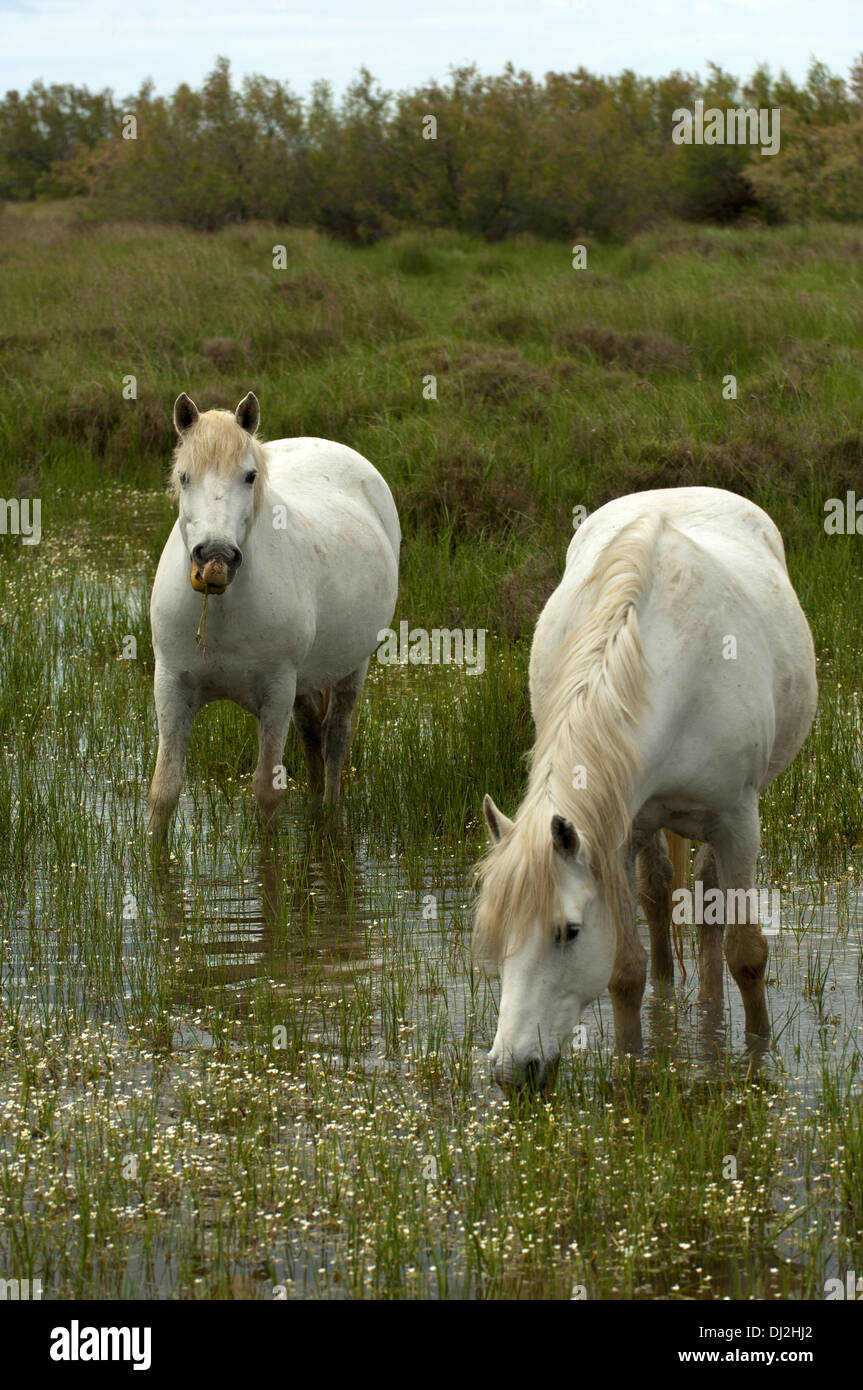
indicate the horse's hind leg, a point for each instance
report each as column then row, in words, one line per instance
column 654, row 877
column 338, row 727
column 736, row 850
column 710, row 976
column 175, row 712
column 308, row 718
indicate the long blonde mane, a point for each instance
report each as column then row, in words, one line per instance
column 215, row 442
column 585, row 733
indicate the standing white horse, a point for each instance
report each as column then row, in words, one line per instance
column 298, row 540
column 672, row 677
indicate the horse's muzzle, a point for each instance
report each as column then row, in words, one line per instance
column 534, row 1077
column 213, row 575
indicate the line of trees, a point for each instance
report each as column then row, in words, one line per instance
column 491, row 156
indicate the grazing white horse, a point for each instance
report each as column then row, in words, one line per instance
column 297, row 542
column 672, row 677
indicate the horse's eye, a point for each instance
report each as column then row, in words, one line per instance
column 183, row 479
column 568, row 932
column 250, row 477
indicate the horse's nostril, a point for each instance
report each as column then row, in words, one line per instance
column 528, row 1077
column 217, row 550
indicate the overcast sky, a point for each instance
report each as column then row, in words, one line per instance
column 118, row 43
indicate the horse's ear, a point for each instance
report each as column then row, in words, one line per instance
column 564, row 837
column 498, row 824
column 248, row 413
column 185, row 413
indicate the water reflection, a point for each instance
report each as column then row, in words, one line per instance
column 300, row 927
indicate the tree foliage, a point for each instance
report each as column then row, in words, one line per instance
column 573, row 154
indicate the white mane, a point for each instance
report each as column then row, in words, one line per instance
column 588, row 721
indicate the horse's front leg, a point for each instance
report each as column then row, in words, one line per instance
column 176, row 707
column 268, row 780
column 629, row 975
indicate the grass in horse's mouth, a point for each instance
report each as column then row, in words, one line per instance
column 202, row 587
column 201, row 634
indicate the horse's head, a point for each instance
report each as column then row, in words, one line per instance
column 542, row 918
column 217, row 477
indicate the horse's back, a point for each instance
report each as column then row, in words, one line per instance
column 713, row 518
column 721, row 625
column 316, row 475
column 721, row 541
column 706, row 538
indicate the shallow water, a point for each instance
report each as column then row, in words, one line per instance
column 318, row 908
column 813, row 972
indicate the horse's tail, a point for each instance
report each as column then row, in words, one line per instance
column 678, row 850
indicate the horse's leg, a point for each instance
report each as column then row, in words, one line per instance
column 273, row 722
column 175, row 712
column 710, row 970
column 678, row 852
column 628, row 977
column 654, row 877
column 338, row 727
column 308, row 717
column 736, row 850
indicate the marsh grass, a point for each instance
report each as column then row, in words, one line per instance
column 263, row 1066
